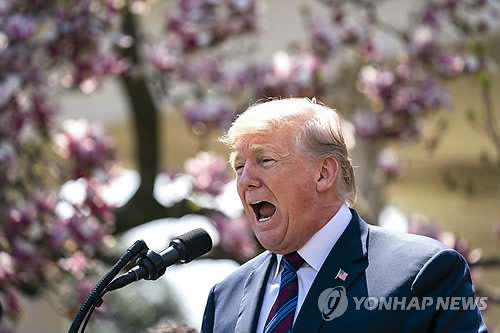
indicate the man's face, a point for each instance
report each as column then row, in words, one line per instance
column 276, row 184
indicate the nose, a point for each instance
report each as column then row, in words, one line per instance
column 249, row 177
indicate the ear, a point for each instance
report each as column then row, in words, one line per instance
column 327, row 174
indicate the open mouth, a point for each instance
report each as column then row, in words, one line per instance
column 263, row 210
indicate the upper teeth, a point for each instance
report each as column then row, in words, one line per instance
column 256, row 202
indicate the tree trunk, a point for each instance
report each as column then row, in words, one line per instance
column 368, row 183
column 142, row 207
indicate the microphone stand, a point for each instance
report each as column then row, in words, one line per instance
column 94, row 298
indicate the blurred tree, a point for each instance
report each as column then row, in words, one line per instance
column 385, row 79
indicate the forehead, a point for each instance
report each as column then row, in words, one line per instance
column 279, row 142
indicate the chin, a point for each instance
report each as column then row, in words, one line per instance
column 269, row 243
column 272, row 245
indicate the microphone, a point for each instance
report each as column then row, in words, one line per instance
column 182, row 250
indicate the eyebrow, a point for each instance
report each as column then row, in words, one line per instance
column 262, row 148
column 256, row 149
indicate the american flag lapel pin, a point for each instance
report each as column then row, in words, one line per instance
column 341, row 275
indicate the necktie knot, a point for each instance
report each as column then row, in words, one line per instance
column 293, row 261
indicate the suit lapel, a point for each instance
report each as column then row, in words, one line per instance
column 348, row 254
column 253, row 295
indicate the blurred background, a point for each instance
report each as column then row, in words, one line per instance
column 110, row 112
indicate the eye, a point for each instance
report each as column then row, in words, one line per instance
column 267, row 161
column 238, row 168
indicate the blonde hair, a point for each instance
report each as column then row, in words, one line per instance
column 320, row 135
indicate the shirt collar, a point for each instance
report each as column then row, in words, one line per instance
column 315, row 251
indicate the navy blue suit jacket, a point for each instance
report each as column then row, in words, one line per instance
column 379, row 264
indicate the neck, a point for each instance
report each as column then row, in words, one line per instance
column 328, row 210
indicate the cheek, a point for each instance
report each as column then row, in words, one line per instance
column 302, row 201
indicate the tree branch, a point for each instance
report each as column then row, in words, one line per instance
column 487, row 262
column 490, row 119
column 493, row 293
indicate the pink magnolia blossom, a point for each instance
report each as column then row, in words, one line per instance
column 30, row 262
column 421, row 225
column 8, row 162
column 58, row 233
column 202, row 23
column 455, row 242
column 45, row 202
column 401, row 98
column 90, row 67
column 114, row 5
column 165, row 56
column 215, row 112
column 20, row 27
column 367, row 123
column 95, row 202
column 5, row 6
column 86, row 145
column 449, row 64
column 77, row 264
column 208, row 171
column 86, row 231
column 376, row 83
column 430, row 16
column 289, row 74
column 329, row 37
column 390, row 164
column 421, row 43
column 7, row 271
column 235, row 235
column 204, row 68
column 370, row 51
column 325, row 39
column 23, row 216
column 431, row 95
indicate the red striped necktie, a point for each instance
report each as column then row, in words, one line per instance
column 281, row 316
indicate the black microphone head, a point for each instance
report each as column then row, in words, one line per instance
column 195, row 243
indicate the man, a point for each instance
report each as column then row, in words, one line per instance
column 326, row 270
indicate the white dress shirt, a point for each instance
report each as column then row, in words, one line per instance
column 314, row 252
